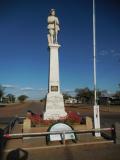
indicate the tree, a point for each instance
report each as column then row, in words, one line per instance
column 11, row 98
column 117, row 94
column 85, row 95
column 66, row 96
column 22, row 98
column 1, row 92
column 119, row 85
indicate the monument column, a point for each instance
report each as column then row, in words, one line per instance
column 54, row 83
column 54, row 102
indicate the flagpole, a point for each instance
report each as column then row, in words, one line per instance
column 94, row 53
column 96, row 107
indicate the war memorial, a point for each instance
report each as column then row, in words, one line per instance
column 65, row 125
column 55, row 126
column 56, row 116
column 55, row 103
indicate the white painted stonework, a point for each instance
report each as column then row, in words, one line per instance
column 54, row 106
column 54, row 67
column 54, row 102
column 97, row 120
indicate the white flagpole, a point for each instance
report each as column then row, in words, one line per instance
column 94, row 53
column 96, row 107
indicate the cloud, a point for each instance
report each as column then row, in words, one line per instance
column 103, row 53
column 44, row 91
column 8, row 86
column 106, row 93
column 112, row 51
column 41, row 89
column 69, row 91
column 32, row 92
column 116, row 54
column 27, row 89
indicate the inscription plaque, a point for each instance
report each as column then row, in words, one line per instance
column 54, row 88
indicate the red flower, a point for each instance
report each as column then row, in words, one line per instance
column 35, row 118
column 73, row 117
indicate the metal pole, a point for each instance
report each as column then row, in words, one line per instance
column 15, row 135
column 94, row 53
column 96, row 107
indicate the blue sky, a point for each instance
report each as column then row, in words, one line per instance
column 24, row 57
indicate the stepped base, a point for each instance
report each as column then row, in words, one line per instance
column 54, row 107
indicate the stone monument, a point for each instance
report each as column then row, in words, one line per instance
column 54, row 102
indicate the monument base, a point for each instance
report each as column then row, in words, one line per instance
column 54, row 107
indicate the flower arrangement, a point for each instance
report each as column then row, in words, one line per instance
column 71, row 118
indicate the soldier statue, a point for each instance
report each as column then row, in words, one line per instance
column 53, row 27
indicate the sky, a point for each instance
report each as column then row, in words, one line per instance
column 24, row 57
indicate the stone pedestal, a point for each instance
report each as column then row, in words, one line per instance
column 54, row 102
column 54, row 106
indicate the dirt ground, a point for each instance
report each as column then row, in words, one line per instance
column 20, row 109
column 85, row 152
column 109, row 151
column 94, row 152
